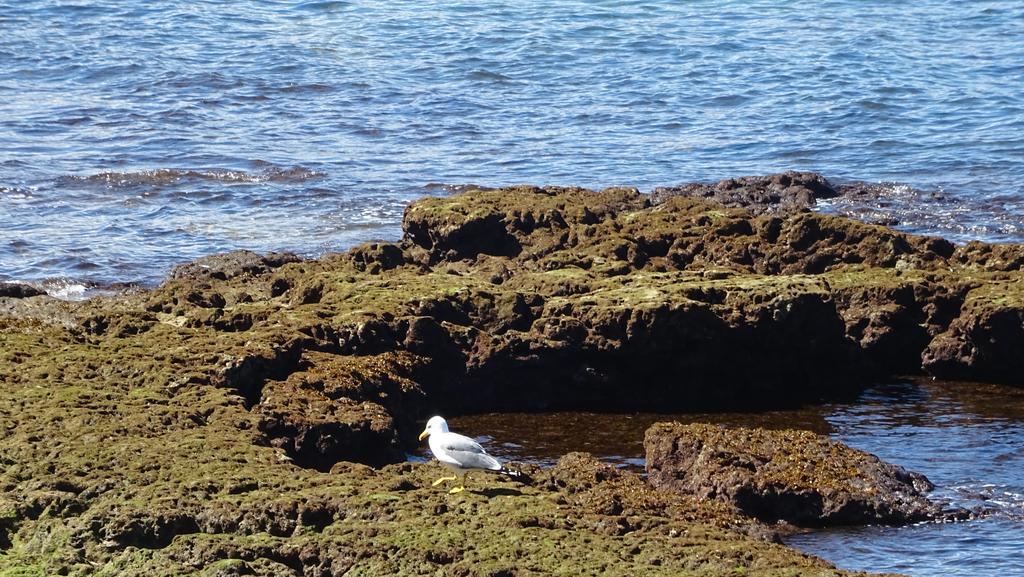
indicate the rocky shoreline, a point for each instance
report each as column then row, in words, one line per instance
column 226, row 422
column 788, row 477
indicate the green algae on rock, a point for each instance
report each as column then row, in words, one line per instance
column 798, row 477
column 217, row 416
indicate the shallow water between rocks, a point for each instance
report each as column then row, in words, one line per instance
column 967, row 438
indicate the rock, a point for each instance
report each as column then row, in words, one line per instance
column 19, row 290
column 777, row 193
column 38, row 308
column 998, row 257
column 317, row 432
column 984, row 342
column 375, row 256
column 230, row 265
column 797, row 477
column 335, row 409
column 890, row 321
column 164, row 431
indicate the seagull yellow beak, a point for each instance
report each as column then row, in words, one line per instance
column 424, row 435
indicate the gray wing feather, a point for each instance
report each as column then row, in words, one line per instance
column 467, row 453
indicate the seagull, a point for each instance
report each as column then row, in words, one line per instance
column 457, row 452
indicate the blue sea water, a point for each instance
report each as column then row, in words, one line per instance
column 136, row 135
column 968, row 440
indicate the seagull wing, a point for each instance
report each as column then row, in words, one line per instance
column 465, row 453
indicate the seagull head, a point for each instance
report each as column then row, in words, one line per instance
column 436, row 424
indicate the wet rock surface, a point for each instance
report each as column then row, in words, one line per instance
column 218, row 416
column 796, row 477
column 776, row 193
column 18, row 290
column 231, row 265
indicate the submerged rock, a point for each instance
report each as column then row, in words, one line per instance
column 797, row 477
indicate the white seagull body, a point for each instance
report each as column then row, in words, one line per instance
column 456, row 452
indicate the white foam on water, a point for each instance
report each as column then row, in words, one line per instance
column 66, row 289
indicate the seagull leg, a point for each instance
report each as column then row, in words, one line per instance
column 462, row 485
column 442, row 480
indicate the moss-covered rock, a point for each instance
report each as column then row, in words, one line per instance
column 797, row 477
column 216, row 417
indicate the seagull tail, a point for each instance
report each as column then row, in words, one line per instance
column 516, row 475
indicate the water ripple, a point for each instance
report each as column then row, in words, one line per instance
column 163, row 176
column 109, row 108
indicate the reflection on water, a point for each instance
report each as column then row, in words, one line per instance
column 967, row 438
column 543, row 438
column 981, row 548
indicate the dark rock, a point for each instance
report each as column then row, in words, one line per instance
column 316, row 432
column 333, row 409
column 777, row 193
column 458, row 235
column 19, row 290
column 376, row 257
column 888, row 323
column 150, row 532
column 1000, row 257
column 793, row 476
column 985, row 342
column 232, row 264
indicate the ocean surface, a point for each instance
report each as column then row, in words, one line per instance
column 138, row 135
column 135, row 136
